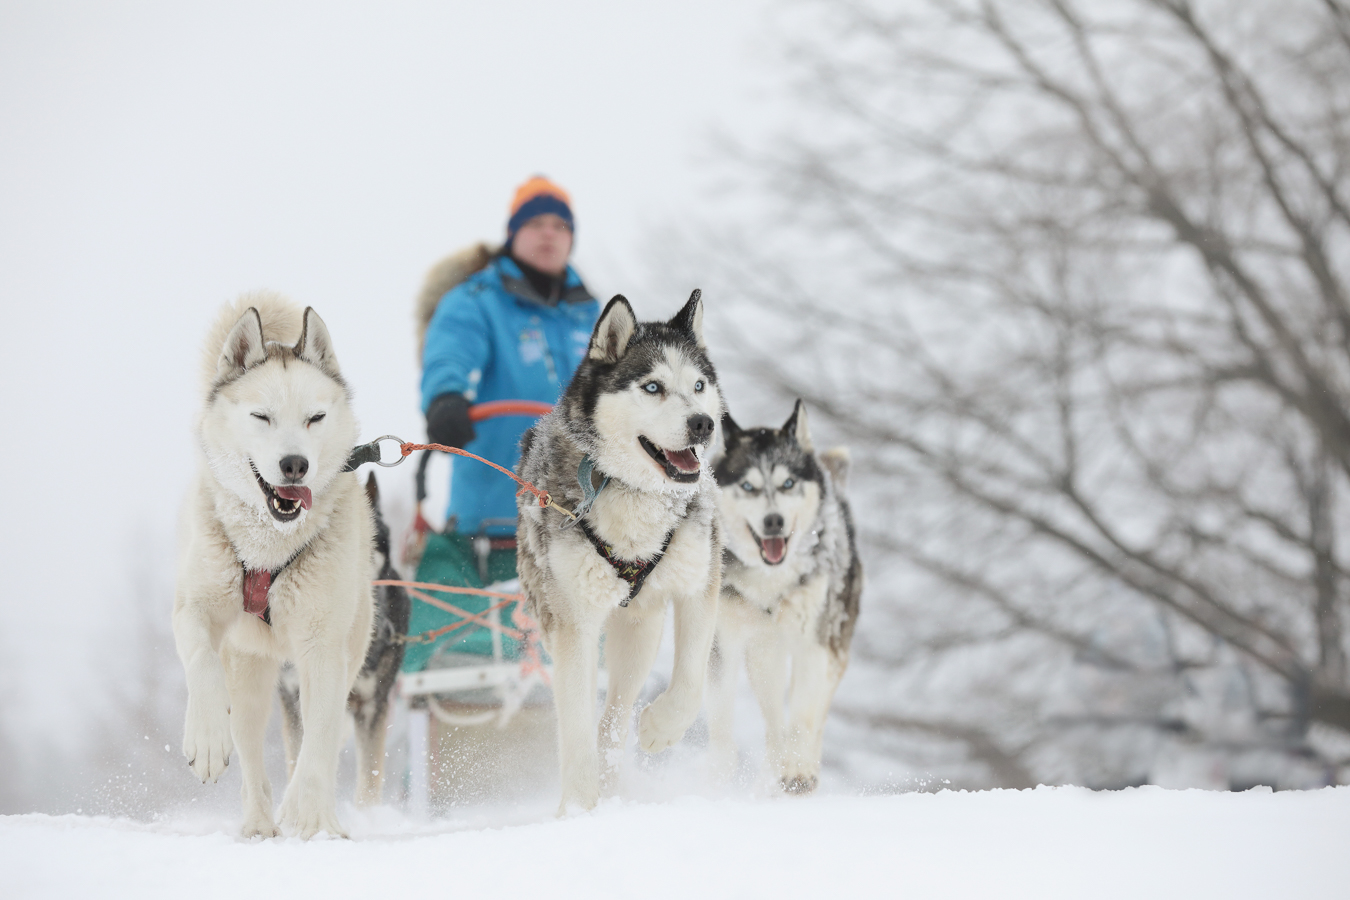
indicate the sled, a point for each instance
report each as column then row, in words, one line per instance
column 489, row 655
column 479, row 694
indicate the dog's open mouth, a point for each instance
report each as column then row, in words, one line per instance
column 679, row 465
column 772, row 549
column 285, row 502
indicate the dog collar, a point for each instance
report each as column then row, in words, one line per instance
column 588, row 491
column 633, row 571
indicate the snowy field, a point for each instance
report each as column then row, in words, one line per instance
column 1047, row 843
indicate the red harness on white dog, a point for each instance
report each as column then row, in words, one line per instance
column 258, row 586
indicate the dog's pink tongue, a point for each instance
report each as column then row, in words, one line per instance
column 295, row 493
column 774, row 548
column 684, row 460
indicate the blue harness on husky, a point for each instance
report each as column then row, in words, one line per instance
column 633, row 571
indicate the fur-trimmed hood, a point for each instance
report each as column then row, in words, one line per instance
column 443, row 276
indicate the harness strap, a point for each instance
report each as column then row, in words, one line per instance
column 362, row 454
column 588, row 491
column 633, row 571
column 258, row 585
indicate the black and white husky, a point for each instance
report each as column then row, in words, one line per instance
column 627, row 449
column 791, row 582
column 275, row 560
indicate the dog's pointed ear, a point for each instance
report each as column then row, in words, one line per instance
column 690, row 318
column 731, row 432
column 315, row 346
column 613, row 331
column 244, row 346
column 795, row 427
column 373, row 491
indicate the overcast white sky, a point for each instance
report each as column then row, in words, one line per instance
column 158, row 158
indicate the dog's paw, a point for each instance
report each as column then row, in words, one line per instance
column 798, row 784
column 258, row 820
column 663, row 723
column 259, row 825
column 611, row 777
column 305, row 820
column 206, row 738
column 582, row 799
column 580, row 779
column 580, row 785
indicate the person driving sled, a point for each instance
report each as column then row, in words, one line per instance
column 515, row 330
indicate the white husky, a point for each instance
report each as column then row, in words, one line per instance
column 627, row 448
column 275, row 558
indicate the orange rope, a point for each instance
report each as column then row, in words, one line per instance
column 467, row 618
column 478, row 412
column 427, row 586
column 427, row 637
column 543, row 496
column 476, row 618
column 532, row 659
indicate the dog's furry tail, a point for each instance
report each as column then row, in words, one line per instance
column 447, row 273
column 282, row 321
column 837, row 462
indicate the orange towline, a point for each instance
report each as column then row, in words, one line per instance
column 426, row 586
column 466, row 617
column 545, row 500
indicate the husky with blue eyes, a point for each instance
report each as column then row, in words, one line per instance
column 627, row 450
column 791, row 583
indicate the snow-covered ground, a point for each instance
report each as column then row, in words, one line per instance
column 1047, row 843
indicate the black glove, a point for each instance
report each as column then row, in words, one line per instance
column 448, row 421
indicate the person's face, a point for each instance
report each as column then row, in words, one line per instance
column 544, row 242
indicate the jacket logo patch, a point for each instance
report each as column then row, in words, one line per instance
column 532, row 346
column 581, row 342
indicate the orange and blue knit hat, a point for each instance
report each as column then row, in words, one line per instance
column 538, row 197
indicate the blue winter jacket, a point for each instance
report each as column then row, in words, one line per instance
column 494, row 338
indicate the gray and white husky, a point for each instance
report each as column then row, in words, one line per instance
column 275, row 559
column 791, row 583
column 626, row 448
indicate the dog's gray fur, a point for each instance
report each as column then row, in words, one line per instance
column 791, row 586
column 573, row 592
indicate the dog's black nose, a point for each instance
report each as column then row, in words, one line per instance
column 773, row 524
column 700, row 429
column 294, row 467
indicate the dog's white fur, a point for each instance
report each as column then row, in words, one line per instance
column 791, row 620
column 576, row 594
column 266, row 358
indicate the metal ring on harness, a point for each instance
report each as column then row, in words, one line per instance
column 379, row 461
column 370, row 453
